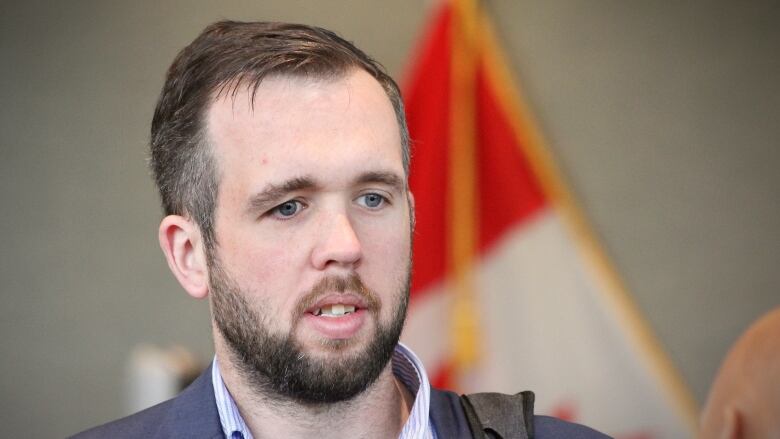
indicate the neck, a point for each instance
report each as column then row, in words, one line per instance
column 379, row 411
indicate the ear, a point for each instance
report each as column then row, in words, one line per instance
column 732, row 423
column 181, row 242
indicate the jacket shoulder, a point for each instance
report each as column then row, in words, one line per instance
column 142, row 424
column 547, row 427
column 192, row 414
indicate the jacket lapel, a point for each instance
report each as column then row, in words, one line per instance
column 193, row 413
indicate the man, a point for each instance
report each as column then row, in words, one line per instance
column 744, row 402
column 281, row 154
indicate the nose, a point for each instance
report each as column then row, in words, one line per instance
column 337, row 245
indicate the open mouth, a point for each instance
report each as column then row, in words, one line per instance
column 337, row 316
column 335, row 310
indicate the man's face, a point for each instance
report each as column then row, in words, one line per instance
column 311, row 269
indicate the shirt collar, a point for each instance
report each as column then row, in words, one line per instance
column 232, row 423
column 406, row 367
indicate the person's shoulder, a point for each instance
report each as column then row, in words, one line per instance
column 547, row 427
column 142, row 424
column 193, row 413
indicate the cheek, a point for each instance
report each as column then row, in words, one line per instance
column 262, row 264
column 269, row 281
column 386, row 257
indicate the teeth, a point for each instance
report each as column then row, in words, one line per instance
column 336, row 310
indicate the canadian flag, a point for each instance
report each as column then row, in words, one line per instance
column 510, row 290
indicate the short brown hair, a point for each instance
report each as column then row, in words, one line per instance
column 226, row 55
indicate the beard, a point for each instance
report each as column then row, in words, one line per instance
column 276, row 364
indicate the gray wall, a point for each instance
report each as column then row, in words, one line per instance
column 663, row 116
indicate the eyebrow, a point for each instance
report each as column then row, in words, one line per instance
column 274, row 192
column 383, row 177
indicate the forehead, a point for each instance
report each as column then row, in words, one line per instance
column 292, row 122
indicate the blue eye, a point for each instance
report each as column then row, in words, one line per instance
column 287, row 209
column 372, row 200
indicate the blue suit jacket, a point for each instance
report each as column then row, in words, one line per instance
column 193, row 414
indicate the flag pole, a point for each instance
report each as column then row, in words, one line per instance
column 462, row 188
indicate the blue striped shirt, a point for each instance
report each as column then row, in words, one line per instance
column 406, row 367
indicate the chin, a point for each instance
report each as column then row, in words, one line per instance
column 328, row 347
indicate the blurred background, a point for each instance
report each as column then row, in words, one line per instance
column 663, row 117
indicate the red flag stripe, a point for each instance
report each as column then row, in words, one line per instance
column 427, row 97
column 509, row 192
column 500, row 159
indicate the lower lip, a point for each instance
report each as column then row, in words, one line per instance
column 337, row 328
